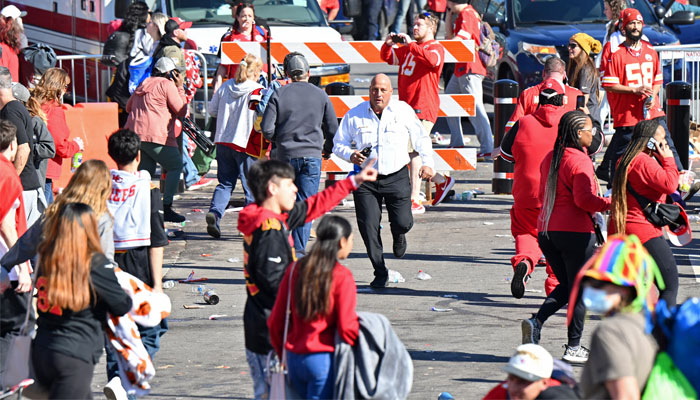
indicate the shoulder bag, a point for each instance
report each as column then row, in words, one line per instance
column 659, row 214
column 280, row 389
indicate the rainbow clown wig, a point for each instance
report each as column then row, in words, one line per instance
column 622, row 261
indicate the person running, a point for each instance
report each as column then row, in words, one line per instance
column 322, row 304
column 583, row 74
column 265, row 225
column 244, row 29
column 468, row 78
column 76, row 288
column 526, row 145
column 646, row 170
column 153, row 110
column 618, row 284
column 569, row 193
column 233, row 108
column 420, row 65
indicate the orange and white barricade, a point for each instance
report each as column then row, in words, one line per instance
column 451, row 105
column 463, row 159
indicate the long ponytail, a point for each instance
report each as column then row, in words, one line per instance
column 567, row 136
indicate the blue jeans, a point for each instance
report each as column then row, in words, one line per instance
column 231, row 165
column 311, row 375
column 470, row 84
column 48, row 192
column 188, row 168
column 150, row 337
column 258, row 370
column 371, row 9
column 307, row 171
column 402, row 13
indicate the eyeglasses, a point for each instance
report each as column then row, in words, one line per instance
column 573, row 46
column 593, row 130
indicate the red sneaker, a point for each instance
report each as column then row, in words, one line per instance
column 442, row 189
column 417, row 208
column 201, row 183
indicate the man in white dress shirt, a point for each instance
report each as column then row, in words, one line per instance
column 386, row 128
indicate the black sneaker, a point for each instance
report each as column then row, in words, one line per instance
column 531, row 329
column 578, row 356
column 520, row 278
column 213, row 225
column 379, row 281
column 400, row 245
column 169, row 215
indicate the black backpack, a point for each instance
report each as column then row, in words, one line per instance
column 116, row 48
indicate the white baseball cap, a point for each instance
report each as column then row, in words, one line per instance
column 530, row 362
column 165, row 64
column 12, row 12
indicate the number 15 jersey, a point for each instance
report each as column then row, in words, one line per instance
column 633, row 68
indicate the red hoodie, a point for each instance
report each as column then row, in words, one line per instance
column 267, row 251
column 65, row 148
column 11, row 189
column 527, row 144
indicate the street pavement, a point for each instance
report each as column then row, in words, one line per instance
column 464, row 246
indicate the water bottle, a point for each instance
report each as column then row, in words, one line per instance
column 467, row 195
column 395, row 277
column 77, row 160
column 168, row 284
column 422, row 276
column 646, row 110
column 445, row 396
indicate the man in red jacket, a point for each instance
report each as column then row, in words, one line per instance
column 468, row 79
column 420, row 65
column 526, row 145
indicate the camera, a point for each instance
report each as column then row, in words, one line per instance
column 397, row 38
column 366, row 151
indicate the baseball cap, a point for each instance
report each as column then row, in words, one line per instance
column 554, row 85
column 297, row 65
column 176, row 23
column 682, row 235
column 530, row 362
column 12, row 12
column 20, row 92
column 630, row 14
column 165, row 64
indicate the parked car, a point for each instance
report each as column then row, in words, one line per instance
column 533, row 30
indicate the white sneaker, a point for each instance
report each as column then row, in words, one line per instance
column 114, row 390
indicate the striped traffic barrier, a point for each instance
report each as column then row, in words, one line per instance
column 445, row 160
column 451, row 105
column 352, row 52
column 505, row 93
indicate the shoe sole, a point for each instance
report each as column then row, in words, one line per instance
column 444, row 193
column 517, row 285
column 418, row 211
column 199, row 186
column 575, row 360
column 211, row 226
column 527, row 329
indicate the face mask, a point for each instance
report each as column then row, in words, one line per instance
column 596, row 300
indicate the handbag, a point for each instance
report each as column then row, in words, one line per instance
column 659, row 214
column 280, row 389
column 18, row 362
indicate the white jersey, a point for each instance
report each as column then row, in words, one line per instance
column 130, row 205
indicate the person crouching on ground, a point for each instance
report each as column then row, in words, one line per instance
column 267, row 246
column 618, row 284
column 322, row 302
column 235, row 120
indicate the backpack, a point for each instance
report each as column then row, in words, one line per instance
column 118, row 91
column 489, row 50
column 116, row 48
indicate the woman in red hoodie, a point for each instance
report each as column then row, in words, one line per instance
column 569, row 193
column 323, row 301
column 49, row 92
column 648, row 168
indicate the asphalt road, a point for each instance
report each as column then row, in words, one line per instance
column 464, row 246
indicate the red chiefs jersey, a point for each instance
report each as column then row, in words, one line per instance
column 468, row 26
column 530, row 98
column 420, row 66
column 633, row 69
column 258, row 34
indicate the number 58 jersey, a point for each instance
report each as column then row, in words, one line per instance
column 633, row 69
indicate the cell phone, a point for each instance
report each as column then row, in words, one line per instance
column 651, row 144
column 580, row 102
column 366, row 151
column 397, row 38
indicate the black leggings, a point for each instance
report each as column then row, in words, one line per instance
column 63, row 376
column 566, row 252
column 660, row 251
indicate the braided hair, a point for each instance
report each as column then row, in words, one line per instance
column 567, row 136
column 643, row 131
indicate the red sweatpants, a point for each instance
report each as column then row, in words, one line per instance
column 523, row 227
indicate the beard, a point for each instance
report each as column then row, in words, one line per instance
column 633, row 37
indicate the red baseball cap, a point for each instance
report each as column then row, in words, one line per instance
column 554, row 85
column 631, row 14
column 181, row 24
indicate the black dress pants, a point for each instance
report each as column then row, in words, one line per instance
column 395, row 191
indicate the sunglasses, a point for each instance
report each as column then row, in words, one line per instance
column 593, row 130
column 573, row 46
